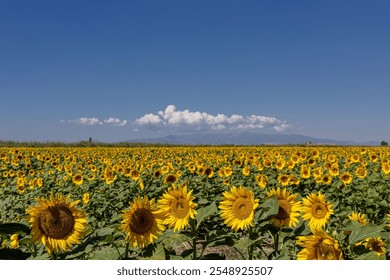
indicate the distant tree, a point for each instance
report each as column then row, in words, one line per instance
column 384, row 143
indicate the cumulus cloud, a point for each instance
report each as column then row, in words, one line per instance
column 115, row 121
column 85, row 121
column 171, row 117
column 95, row 121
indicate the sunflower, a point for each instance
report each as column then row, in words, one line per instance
column 85, row 198
column 109, row 176
column 141, row 223
column 360, row 218
column 305, row 172
column 293, row 180
column 283, row 179
column 237, row 208
column 246, row 171
column 262, row 180
column 208, row 172
column 374, row 244
column 77, row 179
column 316, row 210
column 134, row 174
column 157, row 173
column 346, row 178
column 177, row 207
column 388, row 219
column 386, row 168
column 280, row 164
column 57, row 223
column 14, row 241
column 319, row 246
column 361, row 172
column 334, row 171
column 170, row 179
column 289, row 208
column 326, row 179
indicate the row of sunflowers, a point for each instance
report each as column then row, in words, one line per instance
column 195, row 203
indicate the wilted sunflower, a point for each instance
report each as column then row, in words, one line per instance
column 141, row 223
column 177, row 207
column 319, row 246
column 289, row 208
column 237, row 208
column 57, row 223
column 374, row 244
column 316, row 210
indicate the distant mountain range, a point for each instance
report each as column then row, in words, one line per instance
column 244, row 138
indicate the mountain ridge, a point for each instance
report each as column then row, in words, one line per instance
column 245, row 138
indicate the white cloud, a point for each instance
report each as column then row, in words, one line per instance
column 85, row 121
column 95, row 121
column 171, row 117
column 115, row 121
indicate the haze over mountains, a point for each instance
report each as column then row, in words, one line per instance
column 244, row 138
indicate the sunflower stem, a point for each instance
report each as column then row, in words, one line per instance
column 262, row 250
column 238, row 251
column 276, row 241
column 54, row 256
column 194, row 238
column 34, row 252
column 251, row 247
column 127, row 251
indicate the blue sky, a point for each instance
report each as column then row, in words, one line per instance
column 119, row 70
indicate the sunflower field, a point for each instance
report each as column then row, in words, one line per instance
column 173, row 203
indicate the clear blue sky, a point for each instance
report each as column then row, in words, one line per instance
column 70, row 70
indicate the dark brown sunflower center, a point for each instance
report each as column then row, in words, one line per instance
column 345, row 177
column 208, row 171
column 242, row 208
column 56, row 221
column 141, row 221
column 180, row 207
column 284, row 210
column 319, row 210
column 284, row 179
column 171, row 179
column 375, row 246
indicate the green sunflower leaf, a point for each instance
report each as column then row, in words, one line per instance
column 12, row 228
column 206, row 212
column 268, row 209
column 361, row 233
